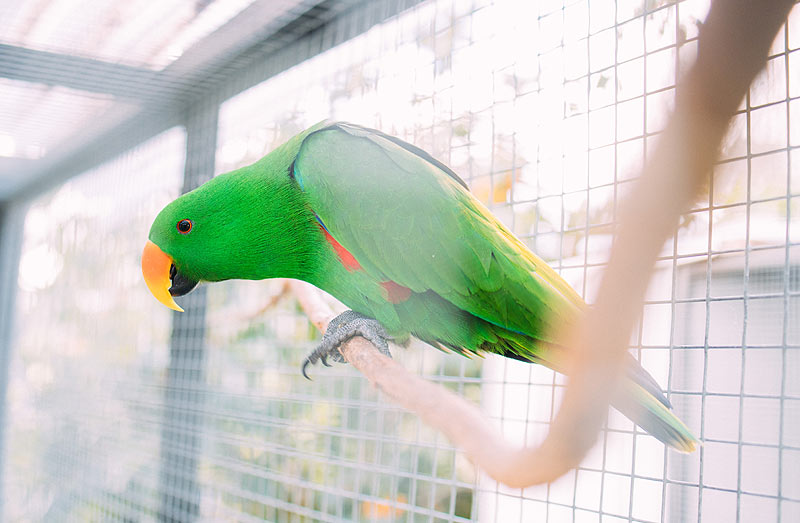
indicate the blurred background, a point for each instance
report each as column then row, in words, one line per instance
column 113, row 408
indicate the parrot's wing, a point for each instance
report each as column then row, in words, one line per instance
column 408, row 218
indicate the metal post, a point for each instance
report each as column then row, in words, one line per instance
column 11, row 223
column 183, row 411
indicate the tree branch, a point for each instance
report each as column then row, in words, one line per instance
column 732, row 49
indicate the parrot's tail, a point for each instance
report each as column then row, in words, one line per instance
column 640, row 399
column 643, row 402
column 653, row 416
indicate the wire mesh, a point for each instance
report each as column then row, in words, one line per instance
column 85, row 390
column 548, row 110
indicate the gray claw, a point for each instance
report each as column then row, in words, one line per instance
column 343, row 327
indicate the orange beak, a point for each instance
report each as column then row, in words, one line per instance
column 155, row 268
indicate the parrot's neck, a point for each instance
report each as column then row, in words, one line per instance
column 293, row 248
column 271, row 229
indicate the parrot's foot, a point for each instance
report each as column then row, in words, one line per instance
column 343, row 327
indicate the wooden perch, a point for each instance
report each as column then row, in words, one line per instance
column 464, row 425
column 732, row 49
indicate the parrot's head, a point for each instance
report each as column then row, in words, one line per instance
column 244, row 224
column 204, row 235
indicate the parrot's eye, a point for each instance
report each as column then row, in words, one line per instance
column 184, row 226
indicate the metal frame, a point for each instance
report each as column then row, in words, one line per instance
column 11, row 218
column 194, row 80
column 181, row 447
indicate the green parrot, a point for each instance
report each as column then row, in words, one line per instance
column 396, row 236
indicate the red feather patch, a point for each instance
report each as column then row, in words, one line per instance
column 348, row 260
column 395, row 293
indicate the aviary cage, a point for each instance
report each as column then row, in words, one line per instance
column 116, row 410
